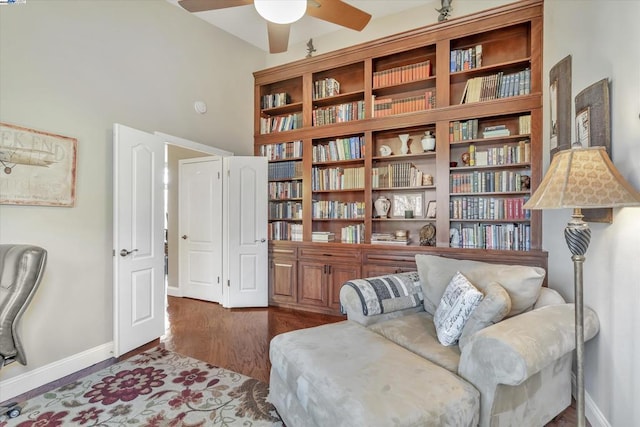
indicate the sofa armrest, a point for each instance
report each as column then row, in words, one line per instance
column 513, row 350
column 352, row 307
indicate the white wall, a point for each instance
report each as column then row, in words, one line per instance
column 74, row 68
column 603, row 38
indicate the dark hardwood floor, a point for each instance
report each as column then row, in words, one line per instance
column 236, row 339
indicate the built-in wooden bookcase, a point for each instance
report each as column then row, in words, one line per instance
column 474, row 82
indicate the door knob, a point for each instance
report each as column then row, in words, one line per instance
column 261, row 240
column 184, row 237
column 125, row 252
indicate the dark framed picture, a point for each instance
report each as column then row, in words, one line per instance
column 560, row 106
column 593, row 129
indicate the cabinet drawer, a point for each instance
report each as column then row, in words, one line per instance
column 325, row 254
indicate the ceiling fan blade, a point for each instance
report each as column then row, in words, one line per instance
column 278, row 37
column 202, row 5
column 339, row 12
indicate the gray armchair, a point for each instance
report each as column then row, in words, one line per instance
column 21, row 268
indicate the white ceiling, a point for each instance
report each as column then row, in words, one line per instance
column 245, row 23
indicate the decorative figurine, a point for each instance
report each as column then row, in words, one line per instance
column 445, row 10
column 310, row 48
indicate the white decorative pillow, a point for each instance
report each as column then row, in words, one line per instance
column 459, row 300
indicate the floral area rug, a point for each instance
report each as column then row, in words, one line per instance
column 155, row 388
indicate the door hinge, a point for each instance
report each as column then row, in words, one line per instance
column 228, row 283
column 218, row 279
column 114, row 253
column 218, row 175
column 229, row 173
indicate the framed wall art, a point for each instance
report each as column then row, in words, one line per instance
column 560, row 106
column 407, row 202
column 37, row 168
column 593, row 129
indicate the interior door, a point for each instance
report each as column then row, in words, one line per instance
column 200, row 228
column 245, row 255
column 139, row 291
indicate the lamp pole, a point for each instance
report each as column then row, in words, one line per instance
column 578, row 235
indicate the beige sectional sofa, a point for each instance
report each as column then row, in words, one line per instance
column 390, row 369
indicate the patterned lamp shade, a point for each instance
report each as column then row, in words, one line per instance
column 583, row 178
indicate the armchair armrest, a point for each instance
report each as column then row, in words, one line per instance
column 513, row 350
column 352, row 305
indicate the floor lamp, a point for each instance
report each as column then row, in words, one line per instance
column 581, row 178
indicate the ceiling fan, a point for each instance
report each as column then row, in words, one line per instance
column 279, row 15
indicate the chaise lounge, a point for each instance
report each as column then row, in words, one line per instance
column 510, row 364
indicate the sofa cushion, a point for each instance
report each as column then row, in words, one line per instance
column 417, row 333
column 343, row 374
column 493, row 308
column 459, row 300
column 522, row 283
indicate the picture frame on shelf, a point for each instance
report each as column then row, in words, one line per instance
column 593, row 129
column 407, row 202
column 560, row 106
column 431, row 209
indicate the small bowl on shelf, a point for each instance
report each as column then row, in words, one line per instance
column 453, row 164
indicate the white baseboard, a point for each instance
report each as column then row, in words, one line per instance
column 591, row 411
column 45, row 374
column 174, row 291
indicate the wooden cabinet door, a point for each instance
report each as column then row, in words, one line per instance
column 283, row 275
column 338, row 274
column 312, row 283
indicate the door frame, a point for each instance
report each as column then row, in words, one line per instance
column 206, row 150
column 164, row 139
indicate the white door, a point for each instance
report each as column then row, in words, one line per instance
column 200, row 228
column 139, row 291
column 245, row 199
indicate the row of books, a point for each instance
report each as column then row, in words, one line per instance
column 465, row 59
column 323, row 236
column 338, row 113
column 352, row 234
column 524, row 124
column 496, row 86
column 285, row 190
column 283, row 150
column 400, row 174
column 389, row 239
column 325, row 88
column 340, row 149
column 496, row 131
column 388, row 106
column 285, row 210
column 274, row 100
column 512, row 237
column 323, row 179
column 274, row 124
column 285, row 170
column 404, row 74
column 463, row 130
column 334, row 209
column 508, row 154
column 487, row 182
column 283, row 230
column 495, row 208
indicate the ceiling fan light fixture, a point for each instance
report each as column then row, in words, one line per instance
column 281, row 11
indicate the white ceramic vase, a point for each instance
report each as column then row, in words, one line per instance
column 404, row 139
column 382, row 205
column 428, row 142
